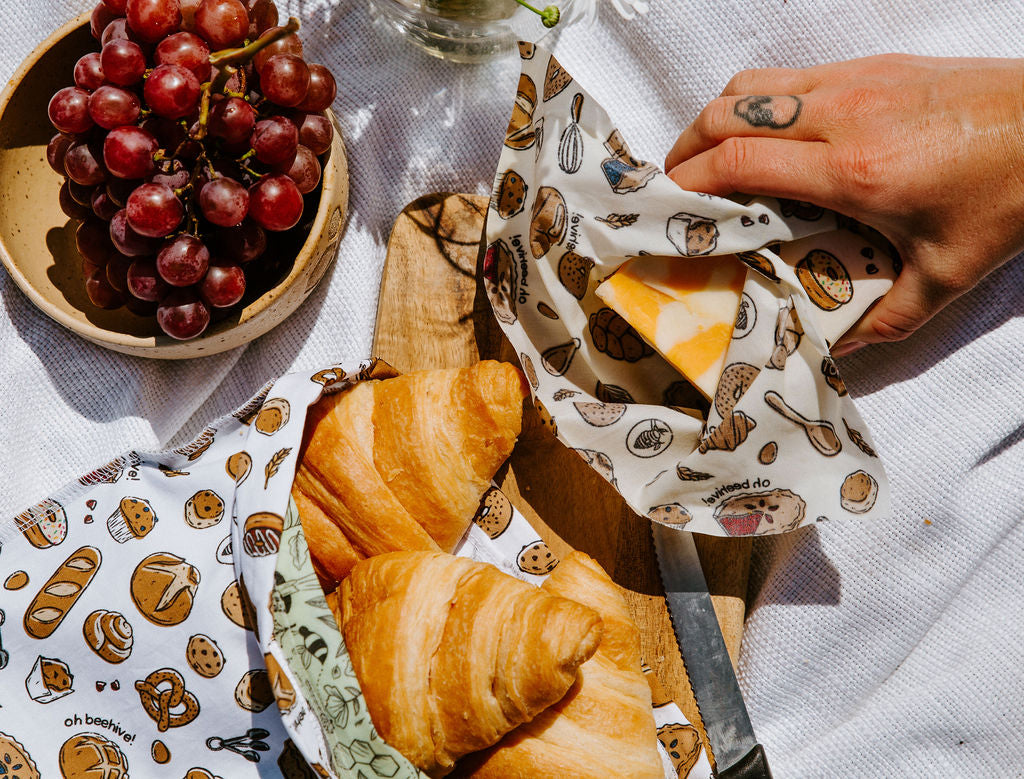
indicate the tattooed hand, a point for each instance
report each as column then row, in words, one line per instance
column 928, row 151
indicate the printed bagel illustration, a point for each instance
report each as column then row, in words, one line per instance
column 133, row 518
column 92, row 756
column 549, row 221
column 670, row 514
column 536, row 558
column 614, row 336
column 272, row 416
column 692, row 235
column 574, row 273
column 61, row 591
column 521, row 133
column 510, row 196
column 825, row 279
column 166, row 699
column 501, row 281
column 262, row 534
column 495, row 512
column 735, row 380
column 44, row 525
column 163, row 588
column 758, row 513
column 16, row 760
column 109, row 635
column 204, row 509
column 760, row 263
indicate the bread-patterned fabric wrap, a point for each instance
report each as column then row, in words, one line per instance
column 728, row 457
column 200, row 642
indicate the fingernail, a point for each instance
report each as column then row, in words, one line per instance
column 842, row 350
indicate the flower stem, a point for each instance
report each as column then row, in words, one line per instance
column 549, row 16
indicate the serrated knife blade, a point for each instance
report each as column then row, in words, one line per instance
column 719, row 700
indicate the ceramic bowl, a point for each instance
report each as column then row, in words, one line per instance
column 37, row 240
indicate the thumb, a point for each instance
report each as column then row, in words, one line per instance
column 911, row 302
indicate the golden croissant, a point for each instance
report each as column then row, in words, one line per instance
column 604, row 727
column 731, row 433
column 401, row 464
column 451, row 654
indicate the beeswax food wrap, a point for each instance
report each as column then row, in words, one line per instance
column 161, row 616
column 777, row 443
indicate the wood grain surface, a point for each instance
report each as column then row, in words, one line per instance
column 432, row 313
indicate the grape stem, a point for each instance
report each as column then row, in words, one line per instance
column 242, row 55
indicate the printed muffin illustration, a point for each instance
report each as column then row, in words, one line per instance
column 692, row 235
column 204, row 656
column 238, row 466
column 273, row 416
column 537, row 558
column 44, row 525
column 830, row 371
column 166, row 699
column 613, row 335
column 760, row 263
column 163, row 588
column 109, row 635
column 768, row 453
column 600, row 462
column 600, row 414
column 549, row 221
column 521, row 133
column 574, row 273
column 253, row 691
column 682, row 742
column 727, row 436
column 204, row 509
column 735, row 380
column 280, row 685
column 91, row 756
column 61, row 591
column 670, row 514
column 133, row 518
column 15, row 759
column 510, row 197
column 500, row 281
column 16, row 580
column 262, row 534
column 788, row 333
column 825, row 279
column 555, row 79
column 859, row 492
column 50, row 679
column 761, row 512
column 557, row 359
column 495, row 512
column 237, row 606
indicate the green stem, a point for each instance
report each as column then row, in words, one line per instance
column 549, row 16
column 242, row 55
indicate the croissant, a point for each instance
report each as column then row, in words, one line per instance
column 604, row 726
column 401, row 464
column 451, row 654
column 731, row 433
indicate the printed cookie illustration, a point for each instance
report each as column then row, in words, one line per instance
column 109, row 635
column 570, row 145
column 682, row 742
column 689, row 474
column 238, row 466
column 768, row 453
column 15, row 760
column 16, row 580
column 273, row 416
column 760, row 263
column 825, row 280
column 495, row 512
column 612, row 393
column 800, row 209
column 760, row 512
column 830, row 371
column 557, row 359
column 649, row 438
column 669, row 514
column 537, row 559
column 859, row 492
column 624, row 172
column 727, row 436
column 204, row 656
column 50, row 679
column 262, row 534
column 733, row 383
column 555, row 79
column 159, row 752
column 529, row 370
column 821, row 434
column 788, row 333
column 133, row 518
column 44, row 525
column 521, row 133
column 613, row 335
column 601, row 463
column 166, row 700
column 91, row 756
column 253, row 692
column 237, row 606
column 61, row 591
column 204, row 509
column 163, row 588
column 501, row 281
column 510, row 197
column 692, row 235
column 574, row 273
column 280, row 685
column 859, row 441
column 549, row 221
column 600, row 414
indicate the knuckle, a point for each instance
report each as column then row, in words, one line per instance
column 895, row 326
column 859, row 173
column 733, row 157
column 739, row 83
column 713, row 120
column 856, row 102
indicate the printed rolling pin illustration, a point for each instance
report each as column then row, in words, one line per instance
column 820, row 433
column 570, row 146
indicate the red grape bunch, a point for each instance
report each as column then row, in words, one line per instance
column 188, row 144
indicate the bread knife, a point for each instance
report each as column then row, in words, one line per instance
column 719, row 700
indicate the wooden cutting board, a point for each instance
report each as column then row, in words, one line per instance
column 432, row 313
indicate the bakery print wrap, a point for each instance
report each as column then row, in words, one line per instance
column 161, row 616
column 610, row 282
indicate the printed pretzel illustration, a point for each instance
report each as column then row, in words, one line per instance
column 169, row 706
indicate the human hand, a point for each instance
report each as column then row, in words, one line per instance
column 928, row 151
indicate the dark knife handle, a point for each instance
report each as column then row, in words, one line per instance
column 753, row 765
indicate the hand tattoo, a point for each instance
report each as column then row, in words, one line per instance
column 767, row 111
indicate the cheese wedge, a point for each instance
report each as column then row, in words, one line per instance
column 683, row 307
